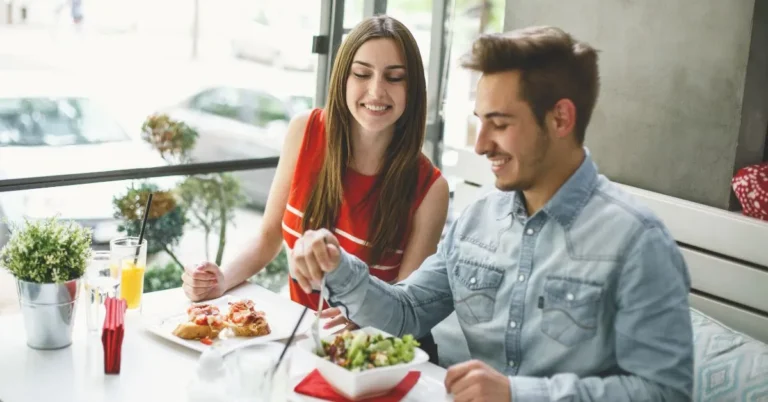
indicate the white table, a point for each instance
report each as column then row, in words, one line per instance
column 152, row 368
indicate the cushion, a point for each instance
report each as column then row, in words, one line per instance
column 728, row 365
column 751, row 187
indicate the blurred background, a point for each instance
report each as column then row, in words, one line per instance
column 79, row 78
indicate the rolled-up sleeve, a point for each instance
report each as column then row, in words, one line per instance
column 412, row 306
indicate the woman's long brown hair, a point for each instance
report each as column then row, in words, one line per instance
column 398, row 178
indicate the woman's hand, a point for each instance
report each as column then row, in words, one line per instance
column 203, row 282
column 336, row 318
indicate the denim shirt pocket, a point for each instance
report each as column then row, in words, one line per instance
column 476, row 286
column 570, row 310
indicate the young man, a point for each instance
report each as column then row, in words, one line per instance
column 566, row 289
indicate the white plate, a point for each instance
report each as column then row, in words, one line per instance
column 426, row 389
column 281, row 314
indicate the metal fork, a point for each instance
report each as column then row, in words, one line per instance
column 316, row 324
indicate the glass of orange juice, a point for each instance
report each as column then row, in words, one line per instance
column 129, row 266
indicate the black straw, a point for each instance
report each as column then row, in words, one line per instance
column 290, row 339
column 143, row 225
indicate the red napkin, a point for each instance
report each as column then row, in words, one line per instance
column 112, row 334
column 314, row 385
column 751, row 187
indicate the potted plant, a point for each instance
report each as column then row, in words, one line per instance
column 47, row 258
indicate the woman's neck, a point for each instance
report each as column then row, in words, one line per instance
column 368, row 149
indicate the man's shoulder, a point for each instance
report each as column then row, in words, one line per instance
column 611, row 202
column 615, row 216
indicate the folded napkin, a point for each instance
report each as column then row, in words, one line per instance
column 314, row 385
column 112, row 334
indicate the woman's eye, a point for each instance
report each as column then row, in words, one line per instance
column 395, row 79
column 361, row 75
column 500, row 126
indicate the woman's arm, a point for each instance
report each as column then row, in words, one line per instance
column 267, row 242
column 428, row 222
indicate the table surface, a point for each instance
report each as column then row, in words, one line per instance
column 152, row 368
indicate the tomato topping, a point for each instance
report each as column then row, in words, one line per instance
column 207, row 341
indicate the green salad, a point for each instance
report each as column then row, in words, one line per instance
column 360, row 351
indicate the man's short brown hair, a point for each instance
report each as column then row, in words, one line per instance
column 552, row 64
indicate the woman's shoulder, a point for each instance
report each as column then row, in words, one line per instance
column 427, row 170
column 306, row 128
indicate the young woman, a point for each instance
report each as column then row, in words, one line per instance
column 356, row 168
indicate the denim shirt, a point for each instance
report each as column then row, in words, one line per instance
column 586, row 300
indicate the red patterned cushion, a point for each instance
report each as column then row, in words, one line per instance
column 751, row 187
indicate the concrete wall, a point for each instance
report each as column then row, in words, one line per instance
column 673, row 115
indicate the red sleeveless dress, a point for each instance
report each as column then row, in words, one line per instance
column 352, row 225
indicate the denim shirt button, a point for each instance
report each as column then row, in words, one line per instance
column 472, row 280
column 521, row 278
column 569, row 296
column 512, row 324
column 529, row 231
column 511, row 363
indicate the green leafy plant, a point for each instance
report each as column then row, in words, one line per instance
column 211, row 201
column 163, row 277
column 47, row 251
column 165, row 223
column 173, row 139
column 203, row 201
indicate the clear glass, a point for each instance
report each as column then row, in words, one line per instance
column 129, row 261
column 253, row 376
column 100, row 282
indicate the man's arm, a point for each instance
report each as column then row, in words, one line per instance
column 413, row 306
column 654, row 338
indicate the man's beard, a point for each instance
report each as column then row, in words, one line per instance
column 531, row 166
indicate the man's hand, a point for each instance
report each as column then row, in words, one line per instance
column 203, row 282
column 313, row 254
column 475, row 381
column 336, row 318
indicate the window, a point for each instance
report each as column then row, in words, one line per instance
column 225, row 102
column 55, row 122
column 469, row 21
column 191, row 60
column 417, row 17
column 269, row 109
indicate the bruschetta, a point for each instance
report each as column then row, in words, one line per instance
column 245, row 321
column 204, row 321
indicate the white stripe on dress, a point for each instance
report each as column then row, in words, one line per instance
column 340, row 232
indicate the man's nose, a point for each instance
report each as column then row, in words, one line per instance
column 483, row 144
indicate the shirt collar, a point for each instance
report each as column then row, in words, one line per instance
column 570, row 199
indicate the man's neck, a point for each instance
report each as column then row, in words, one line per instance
column 537, row 196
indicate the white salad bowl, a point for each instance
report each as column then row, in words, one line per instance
column 366, row 383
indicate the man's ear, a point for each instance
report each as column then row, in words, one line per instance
column 563, row 118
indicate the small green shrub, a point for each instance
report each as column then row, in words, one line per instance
column 162, row 278
column 47, row 251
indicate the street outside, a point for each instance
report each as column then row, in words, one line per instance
column 143, row 73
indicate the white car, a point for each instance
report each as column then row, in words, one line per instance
column 49, row 128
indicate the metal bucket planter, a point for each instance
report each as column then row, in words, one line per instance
column 49, row 312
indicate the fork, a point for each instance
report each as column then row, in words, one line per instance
column 316, row 324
